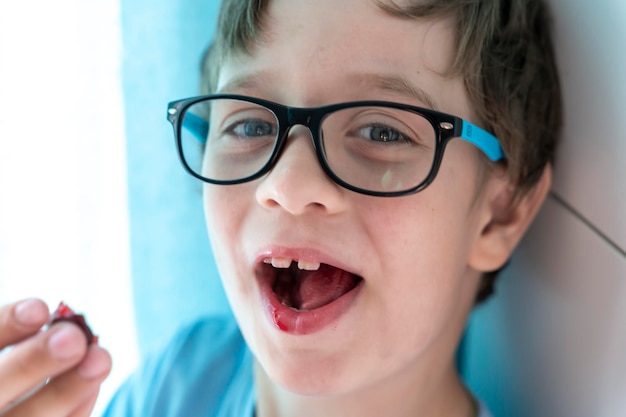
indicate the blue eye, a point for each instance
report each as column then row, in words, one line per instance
column 253, row 128
column 381, row 133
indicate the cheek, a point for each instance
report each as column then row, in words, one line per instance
column 421, row 238
column 423, row 251
column 225, row 211
column 219, row 225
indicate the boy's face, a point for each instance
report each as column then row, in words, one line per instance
column 414, row 254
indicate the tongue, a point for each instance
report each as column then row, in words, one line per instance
column 321, row 287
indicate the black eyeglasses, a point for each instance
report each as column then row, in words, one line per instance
column 376, row 148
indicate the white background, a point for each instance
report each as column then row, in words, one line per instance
column 63, row 212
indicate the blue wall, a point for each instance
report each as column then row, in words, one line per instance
column 174, row 277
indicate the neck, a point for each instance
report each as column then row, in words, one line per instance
column 434, row 396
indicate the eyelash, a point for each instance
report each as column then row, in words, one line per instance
column 395, row 135
column 241, row 124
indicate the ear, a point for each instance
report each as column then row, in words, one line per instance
column 505, row 219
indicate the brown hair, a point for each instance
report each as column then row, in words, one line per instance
column 504, row 54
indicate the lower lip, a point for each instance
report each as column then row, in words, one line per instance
column 305, row 322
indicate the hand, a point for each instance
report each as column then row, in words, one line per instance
column 58, row 355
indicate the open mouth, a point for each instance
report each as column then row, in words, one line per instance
column 306, row 285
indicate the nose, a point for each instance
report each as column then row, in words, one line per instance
column 297, row 183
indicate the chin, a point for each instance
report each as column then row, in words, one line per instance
column 310, row 379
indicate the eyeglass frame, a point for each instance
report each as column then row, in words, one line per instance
column 445, row 126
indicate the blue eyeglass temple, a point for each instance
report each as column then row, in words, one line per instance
column 483, row 140
column 473, row 134
column 197, row 126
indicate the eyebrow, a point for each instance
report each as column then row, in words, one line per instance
column 384, row 82
column 397, row 84
column 246, row 81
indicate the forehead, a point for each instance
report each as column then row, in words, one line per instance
column 357, row 27
column 325, row 50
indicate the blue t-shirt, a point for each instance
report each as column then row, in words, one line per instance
column 206, row 371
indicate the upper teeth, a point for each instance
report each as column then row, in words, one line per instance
column 304, row 264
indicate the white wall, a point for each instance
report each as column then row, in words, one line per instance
column 552, row 342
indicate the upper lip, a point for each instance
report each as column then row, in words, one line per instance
column 303, row 253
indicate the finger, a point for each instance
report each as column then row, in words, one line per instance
column 69, row 394
column 20, row 320
column 47, row 354
column 84, row 410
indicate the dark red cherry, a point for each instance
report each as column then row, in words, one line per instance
column 65, row 313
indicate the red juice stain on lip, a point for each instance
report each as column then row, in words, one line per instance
column 278, row 323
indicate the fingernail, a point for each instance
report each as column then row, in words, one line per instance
column 93, row 366
column 30, row 312
column 66, row 342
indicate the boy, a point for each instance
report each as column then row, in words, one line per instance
column 353, row 239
